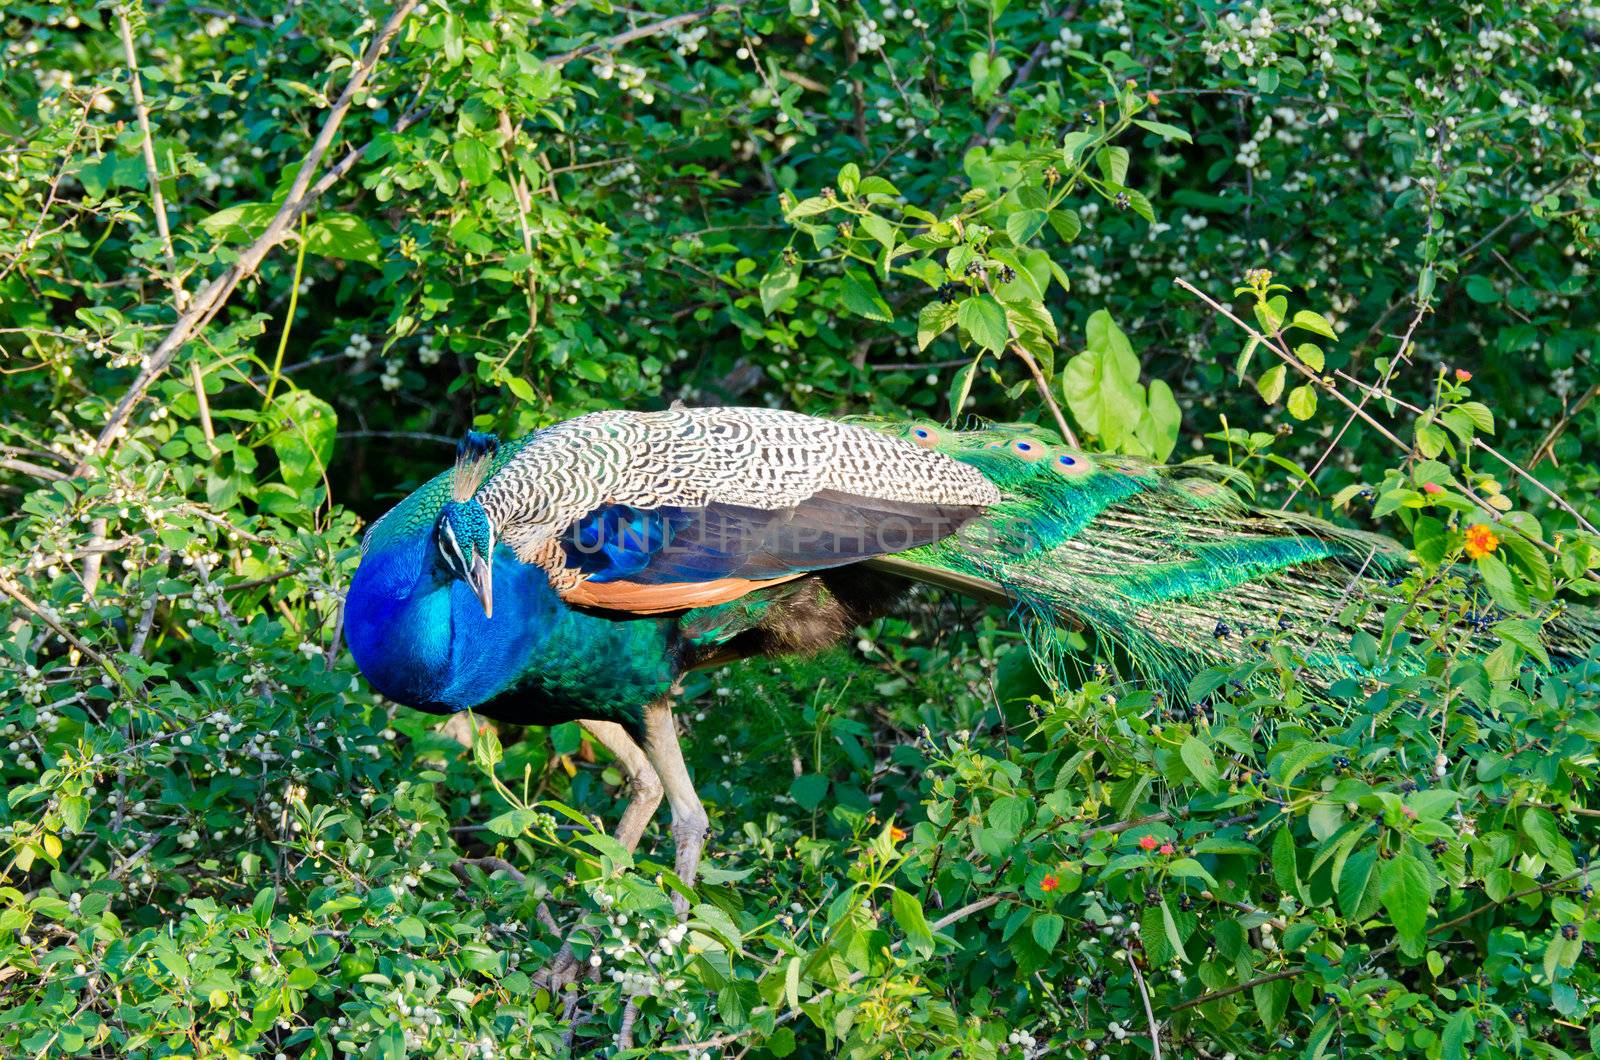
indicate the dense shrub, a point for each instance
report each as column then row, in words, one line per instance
column 219, row 841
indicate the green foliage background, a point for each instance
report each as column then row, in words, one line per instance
column 218, row 842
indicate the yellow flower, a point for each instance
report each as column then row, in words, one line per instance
column 1480, row 541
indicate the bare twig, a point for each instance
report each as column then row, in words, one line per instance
column 211, row 298
column 24, row 467
column 1546, row 447
column 630, row 1015
column 650, row 29
column 1149, row 1013
column 1294, row 362
column 152, row 174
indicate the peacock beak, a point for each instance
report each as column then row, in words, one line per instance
column 480, row 577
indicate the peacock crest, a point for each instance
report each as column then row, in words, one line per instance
column 474, row 457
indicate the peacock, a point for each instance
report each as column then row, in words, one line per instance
column 579, row 572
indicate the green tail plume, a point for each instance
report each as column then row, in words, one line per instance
column 1169, row 564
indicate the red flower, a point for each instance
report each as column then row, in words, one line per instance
column 1432, row 487
column 1166, row 848
column 1463, row 376
column 1148, row 842
column 1049, row 883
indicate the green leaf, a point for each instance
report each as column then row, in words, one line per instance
column 1482, row 418
column 809, row 790
column 934, row 320
column 241, row 222
column 1480, row 289
column 474, row 160
column 961, row 387
column 1272, row 1001
column 1047, row 928
column 860, row 296
column 1165, row 131
column 849, row 177
column 1285, row 865
column 1024, row 225
column 1356, row 880
column 1405, row 897
column 1170, row 929
column 1101, row 384
column 512, row 823
column 1311, row 355
column 302, row 432
column 1158, row 429
column 344, row 236
column 1113, row 163
column 1309, row 321
column 1270, row 384
column 1201, row 762
column 1066, row 224
column 880, row 229
column 1303, row 402
column 908, row 914
column 776, row 287
column 1539, row 825
column 985, row 320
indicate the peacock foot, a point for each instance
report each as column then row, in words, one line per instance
column 567, row 968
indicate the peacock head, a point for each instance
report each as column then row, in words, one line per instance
column 463, row 535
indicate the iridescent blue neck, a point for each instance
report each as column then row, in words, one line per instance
column 421, row 638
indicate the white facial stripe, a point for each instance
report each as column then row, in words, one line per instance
column 448, row 537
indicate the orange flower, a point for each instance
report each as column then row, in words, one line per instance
column 1480, row 541
column 1049, row 883
column 1148, row 842
column 896, row 833
column 1463, row 376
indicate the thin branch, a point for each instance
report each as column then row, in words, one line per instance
column 650, row 29
column 151, row 172
column 1149, row 1013
column 1547, row 446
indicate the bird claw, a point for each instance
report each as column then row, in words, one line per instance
column 564, row 970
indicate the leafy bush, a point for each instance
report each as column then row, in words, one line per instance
column 219, row 841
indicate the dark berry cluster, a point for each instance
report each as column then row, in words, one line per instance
column 948, row 292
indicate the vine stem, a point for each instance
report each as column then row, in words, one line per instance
column 288, row 317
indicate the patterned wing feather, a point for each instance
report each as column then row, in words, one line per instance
column 624, row 509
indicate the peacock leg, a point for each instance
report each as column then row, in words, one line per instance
column 689, row 822
column 643, row 783
column 645, row 788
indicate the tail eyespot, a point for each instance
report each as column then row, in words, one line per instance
column 1071, row 465
column 926, row 437
column 1028, row 449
